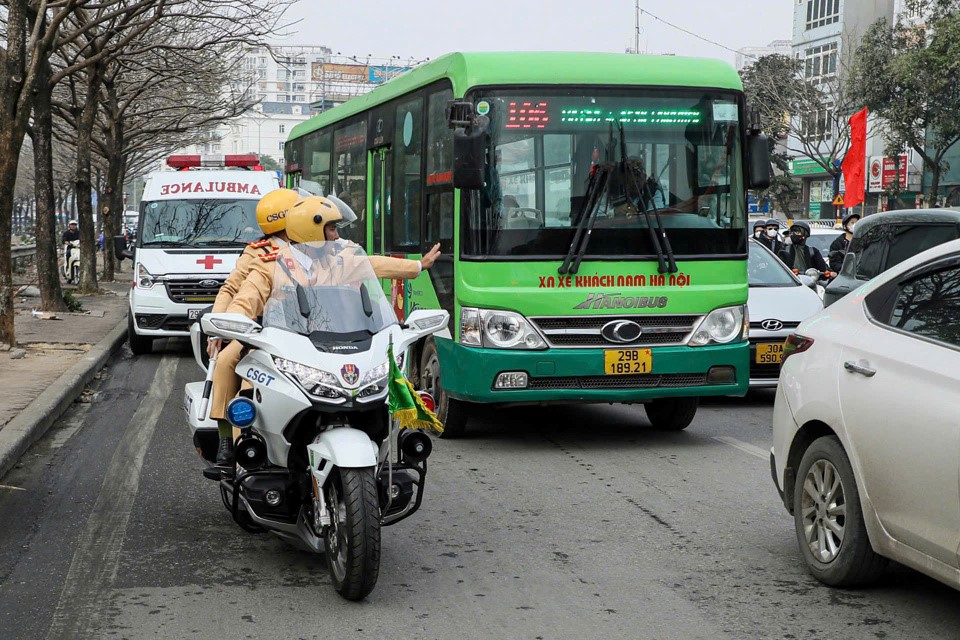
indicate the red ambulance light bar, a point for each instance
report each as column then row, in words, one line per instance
column 247, row 161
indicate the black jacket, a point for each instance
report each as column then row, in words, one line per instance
column 774, row 244
column 69, row 236
column 814, row 258
column 838, row 250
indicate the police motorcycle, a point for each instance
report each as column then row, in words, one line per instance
column 319, row 462
column 71, row 262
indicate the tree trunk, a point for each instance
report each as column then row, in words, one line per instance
column 115, row 174
column 11, row 141
column 48, row 243
column 934, row 184
column 84, row 188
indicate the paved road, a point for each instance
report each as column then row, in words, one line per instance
column 564, row 523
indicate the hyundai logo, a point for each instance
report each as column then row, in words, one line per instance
column 622, row 331
column 209, row 283
column 772, row 325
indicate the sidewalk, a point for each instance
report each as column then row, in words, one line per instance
column 54, row 360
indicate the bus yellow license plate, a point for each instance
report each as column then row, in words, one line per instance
column 621, row 362
column 769, row 353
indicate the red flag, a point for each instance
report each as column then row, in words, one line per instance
column 854, row 163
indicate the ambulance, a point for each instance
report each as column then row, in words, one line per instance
column 193, row 225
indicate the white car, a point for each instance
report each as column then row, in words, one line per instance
column 866, row 426
column 778, row 302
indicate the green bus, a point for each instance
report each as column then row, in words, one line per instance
column 560, row 290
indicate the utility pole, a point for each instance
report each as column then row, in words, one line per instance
column 636, row 39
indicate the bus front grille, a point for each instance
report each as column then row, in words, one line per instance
column 644, row 381
column 587, row 331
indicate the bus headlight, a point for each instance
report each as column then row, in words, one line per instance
column 497, row 329
column 720, row 326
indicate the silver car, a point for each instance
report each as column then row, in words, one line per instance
column 778, row 302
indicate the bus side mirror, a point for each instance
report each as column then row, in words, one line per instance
column 758, row 162
column 470, row 155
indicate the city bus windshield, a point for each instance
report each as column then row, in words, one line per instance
column 546, row 144
column 199, row 223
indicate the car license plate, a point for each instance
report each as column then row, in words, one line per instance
column 619, row 362
column 193, row 314
column 769, row 353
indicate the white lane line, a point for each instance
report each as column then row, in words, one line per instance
column 744, row 446
column 7, row 486
column 95, row 561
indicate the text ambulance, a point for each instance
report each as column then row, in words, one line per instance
column 193, row 225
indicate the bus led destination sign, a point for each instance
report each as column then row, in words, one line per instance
column 536, row 114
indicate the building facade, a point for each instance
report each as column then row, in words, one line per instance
column 825, row 36
column 748, row 55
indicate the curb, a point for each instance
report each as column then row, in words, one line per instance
column 33, row 422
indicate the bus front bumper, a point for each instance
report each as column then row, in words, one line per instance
column 576, row 375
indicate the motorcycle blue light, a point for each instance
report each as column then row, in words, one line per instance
column 241, row 412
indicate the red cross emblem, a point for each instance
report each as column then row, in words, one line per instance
column 209, row 261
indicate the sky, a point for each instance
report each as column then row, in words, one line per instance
column 421, row 29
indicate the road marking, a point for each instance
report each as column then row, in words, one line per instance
column 744, row 446
column 94, row 563
column 7, row 486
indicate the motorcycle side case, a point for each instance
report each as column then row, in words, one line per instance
column 204, row 432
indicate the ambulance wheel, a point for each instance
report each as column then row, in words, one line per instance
column 452, row 413
column 139, row 345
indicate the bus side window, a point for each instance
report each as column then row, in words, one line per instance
column 315, row 176
column 439, row 214
column 403, row 224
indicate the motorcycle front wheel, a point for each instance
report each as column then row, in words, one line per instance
column 352, row 543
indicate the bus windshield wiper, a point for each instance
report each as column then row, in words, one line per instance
column 629, row 171
column 596, row 187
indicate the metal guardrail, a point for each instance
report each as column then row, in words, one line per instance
column 24, row 251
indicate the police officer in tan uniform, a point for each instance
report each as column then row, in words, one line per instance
column 310, row 219
column 271, row 211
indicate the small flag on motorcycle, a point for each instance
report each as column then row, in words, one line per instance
column 405, row 404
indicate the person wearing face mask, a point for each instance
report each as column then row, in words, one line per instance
column 759, row 227
column 800, row 256
column 840, row 246
column 771, row 236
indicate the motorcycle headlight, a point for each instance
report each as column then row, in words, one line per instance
column 497, row 329
column 145, row 279
column 308, row 377
column 721, row 326
column 376, row 374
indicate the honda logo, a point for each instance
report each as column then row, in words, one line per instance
column 772, row 325
column 209, row 284
column 622, row 331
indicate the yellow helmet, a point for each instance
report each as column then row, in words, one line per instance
column 272, row 209
column 307, row 218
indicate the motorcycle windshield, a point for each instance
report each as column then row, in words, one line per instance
column 326, row 287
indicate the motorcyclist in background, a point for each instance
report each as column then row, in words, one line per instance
column 759, row 228
column 798, row 255
column 771, row 236
column 840, row 246
column 72, row 234
column 271, row 214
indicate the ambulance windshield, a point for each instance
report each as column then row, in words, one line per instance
column 199, row 223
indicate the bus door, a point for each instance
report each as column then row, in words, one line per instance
column 379, row 197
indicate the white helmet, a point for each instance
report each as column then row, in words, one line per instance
column 73, row 222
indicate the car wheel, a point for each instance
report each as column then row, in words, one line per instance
column 139, row 345
column 829, row 520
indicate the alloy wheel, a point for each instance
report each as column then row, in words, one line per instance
column 824, row 511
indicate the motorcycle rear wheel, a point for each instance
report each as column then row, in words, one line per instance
column 352, row 543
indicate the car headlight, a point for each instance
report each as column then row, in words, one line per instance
column 145, row 279
column 375, row 375
column 308, row 377
column 721, row 326
column 498, row 329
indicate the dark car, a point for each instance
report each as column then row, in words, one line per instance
column 883, row 240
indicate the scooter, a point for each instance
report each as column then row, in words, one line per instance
column 319, row 461
column 71, row 264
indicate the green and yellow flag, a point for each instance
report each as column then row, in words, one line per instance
column 405, row 403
